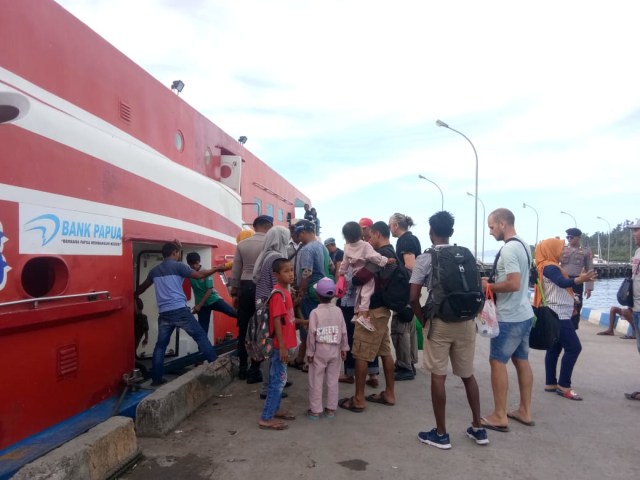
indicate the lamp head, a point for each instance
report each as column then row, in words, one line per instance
column 470, row 194
column 177, row 85
column 440, row 123
column 422, row 177
column 242, row 140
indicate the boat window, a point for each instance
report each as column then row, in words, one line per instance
column 258, row 206
column 269, row 209
column 13, row 106
column 44, row 276
column 280, row 215
column 179, row 140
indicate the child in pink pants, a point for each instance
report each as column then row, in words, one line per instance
column 327, row 347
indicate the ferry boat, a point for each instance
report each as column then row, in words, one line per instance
column 101, row 164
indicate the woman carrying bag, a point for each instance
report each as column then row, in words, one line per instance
column 557, row 288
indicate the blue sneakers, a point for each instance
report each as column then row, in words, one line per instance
column 479, row 435
column 432, row 438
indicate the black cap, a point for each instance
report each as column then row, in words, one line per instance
column 263, row 219
column 574, row 232
column 305, row 226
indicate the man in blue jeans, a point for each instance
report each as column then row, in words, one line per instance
column 515, row 316
column 172, row 306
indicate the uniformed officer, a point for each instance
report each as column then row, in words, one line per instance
column 575, row 260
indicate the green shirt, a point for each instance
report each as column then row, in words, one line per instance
column 200, row 287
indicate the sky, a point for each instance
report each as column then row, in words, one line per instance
column 342, row 97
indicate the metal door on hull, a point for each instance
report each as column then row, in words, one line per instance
column 146, row 260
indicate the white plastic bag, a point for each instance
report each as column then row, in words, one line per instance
column 487, row 320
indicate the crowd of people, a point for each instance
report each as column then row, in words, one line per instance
column 329, row 317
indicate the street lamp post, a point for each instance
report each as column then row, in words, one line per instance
column 524, row 205
column 441, row 194
column 484, row 215
column 440, row 123
column 575, row 224
column 608, row 236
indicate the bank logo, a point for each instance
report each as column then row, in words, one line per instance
column 4, row 266
column 48, row 224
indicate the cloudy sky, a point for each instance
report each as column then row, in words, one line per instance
column 341, row 98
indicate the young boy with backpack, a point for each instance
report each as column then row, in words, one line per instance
column 455, row 296
column 283, row 329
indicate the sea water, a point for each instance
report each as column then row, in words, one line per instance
column 604, row 293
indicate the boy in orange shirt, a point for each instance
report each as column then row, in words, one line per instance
column 282, row 324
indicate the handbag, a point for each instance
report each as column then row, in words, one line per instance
column 545, row 330
column 625, row 293
column 487, row 320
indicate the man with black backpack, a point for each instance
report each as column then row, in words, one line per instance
column 452, row 279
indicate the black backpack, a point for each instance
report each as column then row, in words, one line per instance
column 455, row 290
column 395, row 293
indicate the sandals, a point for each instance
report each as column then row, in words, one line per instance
column 313, row 416
column 632, row 396
column 285, row 416
column 350, row 404
column 570, row 395
column 273, row 426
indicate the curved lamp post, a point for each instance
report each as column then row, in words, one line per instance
column 575, row 224
column 484, row 215
column 440, row 123
column 441, row 194
column 524, row 205
column 608, row 236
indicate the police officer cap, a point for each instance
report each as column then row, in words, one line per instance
column 329, row 241
column 574, row 232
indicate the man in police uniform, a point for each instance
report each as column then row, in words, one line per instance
column 575, row 260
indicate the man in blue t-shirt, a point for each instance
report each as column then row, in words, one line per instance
column 172, row 306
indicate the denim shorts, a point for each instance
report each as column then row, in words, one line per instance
column 512, row 341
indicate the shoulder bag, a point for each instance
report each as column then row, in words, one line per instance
column 545, row 331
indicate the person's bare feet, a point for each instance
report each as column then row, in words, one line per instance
column 606, row 332
column 273, row 424
column 521, row 417
column 493, row 419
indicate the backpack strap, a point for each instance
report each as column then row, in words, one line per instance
column 495, row 261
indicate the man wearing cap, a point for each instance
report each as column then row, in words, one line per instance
column 312, row 265
column 576, row 259
column 243, row 291
column 336, row 254
column 365, row 223
column 635, row 275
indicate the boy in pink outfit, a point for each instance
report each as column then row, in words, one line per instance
column 327, row 347
column 358, row 253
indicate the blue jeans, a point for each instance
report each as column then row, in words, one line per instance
column 572, row 347
column 277, row 380
column 204, row 315
column 636, row 319
column 167, row 323
column 512, row 341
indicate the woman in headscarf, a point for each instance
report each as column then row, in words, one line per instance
column 557, row 288
column 275, row 246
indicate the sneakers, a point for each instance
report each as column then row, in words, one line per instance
column 403, row 374
column 432, row 438
column 365, row 322
column 479, row 435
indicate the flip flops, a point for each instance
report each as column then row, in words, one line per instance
column 570, row 395
column 518, row 419
column 632, row 396
column 379, row 398
column 606, row 332
column 350, row 404
column 275, row 426
column 313, row 416
column 496, row 428
column 628, row 337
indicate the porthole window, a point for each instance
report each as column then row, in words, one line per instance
column 44, row 276
column 179, row 141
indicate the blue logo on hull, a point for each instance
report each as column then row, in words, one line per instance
column 49, row 224
column 4, row 266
